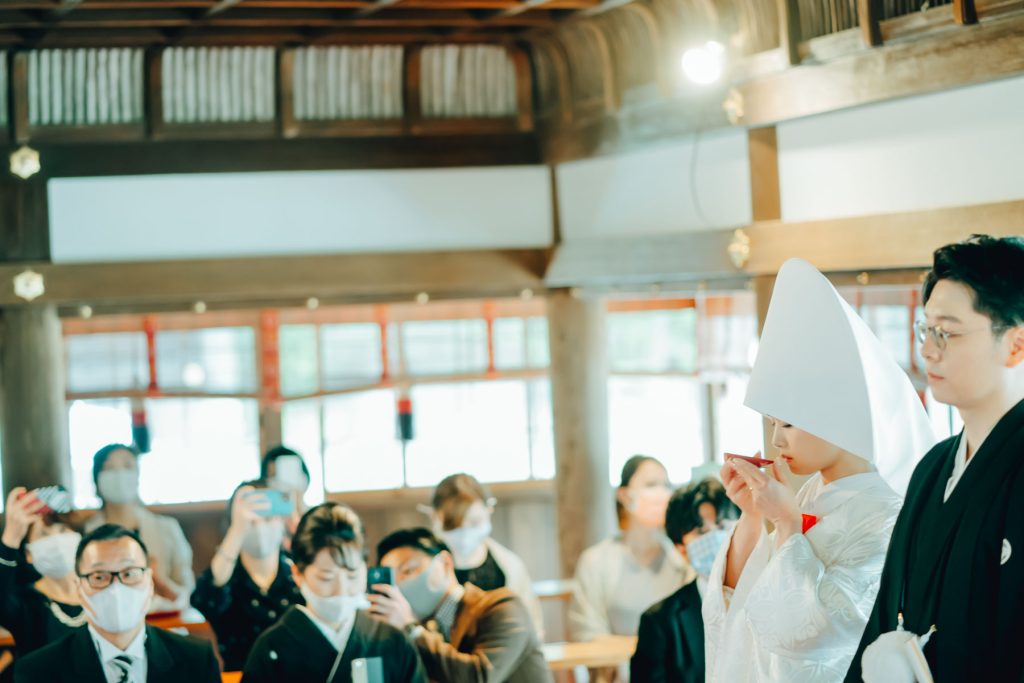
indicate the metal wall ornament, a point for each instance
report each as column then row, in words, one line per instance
column 25, row 162
column 29, row 285
column 739, row 248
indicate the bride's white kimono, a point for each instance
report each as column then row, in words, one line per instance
column 798, row 611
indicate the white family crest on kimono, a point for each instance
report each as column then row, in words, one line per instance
column 799, row 610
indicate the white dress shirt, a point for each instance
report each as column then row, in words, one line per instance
column 960, row 463
column 107, row 651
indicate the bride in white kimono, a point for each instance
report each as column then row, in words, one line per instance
column 790, row 606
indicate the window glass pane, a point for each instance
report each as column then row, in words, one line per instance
column 475, row 427
column 537, row 349
column 509, row 343
column 298, row 357
column 361, row 450
column 653, row 341
column 300, row 430
column 92, row 425
column 656, row 416
column 893, row 327
column 731, row 342
column 739, row 429
column 218, row 359
column 202, row 448
column 438, row 347
column 107, row 362
column 542, row 432
column 350, row 355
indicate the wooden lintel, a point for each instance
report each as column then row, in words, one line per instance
column 313, row 154
column 882, row 242
column 353, row 277
column 869, row 16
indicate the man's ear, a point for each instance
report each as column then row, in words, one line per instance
column 1015, row 338
column 297, row 575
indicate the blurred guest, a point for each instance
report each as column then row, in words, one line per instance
column 331, row 635
column 117, row 646
column 249, row 584
column 115, row 471
column 670, row 646
column 462, row 511
column 620, row 577
column 462, row 633
column 38, row 613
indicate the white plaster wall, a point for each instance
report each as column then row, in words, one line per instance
column 953, row 148
column 226, row 215
column 654, row 192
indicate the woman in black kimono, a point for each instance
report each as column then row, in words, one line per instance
column 38, row 613
column 956, row 558
column 330, row 637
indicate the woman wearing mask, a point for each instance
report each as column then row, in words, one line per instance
column 115, row 471
column 331, row 636
column 249, row 584
column 619, row 578
column 461, row 517
column 284, row 470
column 40, row 613
column 791, row 605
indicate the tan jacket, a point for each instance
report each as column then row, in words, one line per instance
column 493, row 640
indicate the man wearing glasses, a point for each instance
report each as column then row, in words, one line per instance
column 955, row 565
column 116, row 586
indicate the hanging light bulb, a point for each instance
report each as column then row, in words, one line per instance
column 704, row 64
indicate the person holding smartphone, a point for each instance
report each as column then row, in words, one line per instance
column 331, row 639
column 249, row 583
column 38, row 613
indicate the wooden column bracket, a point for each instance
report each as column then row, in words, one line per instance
column 789, row 30
column 869, row 13
column 965, row 12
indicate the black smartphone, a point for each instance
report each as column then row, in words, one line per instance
column 378, row 575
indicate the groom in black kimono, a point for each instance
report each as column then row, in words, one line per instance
column 956, row 558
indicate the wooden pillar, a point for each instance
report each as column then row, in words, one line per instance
column 585, row 501
column 35, row 432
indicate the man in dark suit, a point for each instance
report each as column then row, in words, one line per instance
column 116, row 586
column 670, row 642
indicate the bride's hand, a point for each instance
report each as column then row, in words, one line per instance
column 768, row 496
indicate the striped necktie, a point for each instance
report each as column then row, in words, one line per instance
column 123, row 663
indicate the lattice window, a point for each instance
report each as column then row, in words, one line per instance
column 460, row 81
column 84, row 86
column 347, row 83
column 218, row 84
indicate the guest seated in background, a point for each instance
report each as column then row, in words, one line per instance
column 115, row 471
column 249, row 584
column 117, row 646
column 462, row 510
column 38, row 613
column 670, row 646
column 619, row 578
column 284, row 470
column 462, row 632
column 331, row 635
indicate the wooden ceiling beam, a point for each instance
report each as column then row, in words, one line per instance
column 382, row 276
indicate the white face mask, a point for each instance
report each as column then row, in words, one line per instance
column 336, row 609
column 119, row 487
column 263, row 540
column 118, row 608
column 54, row 556
column 465, row 541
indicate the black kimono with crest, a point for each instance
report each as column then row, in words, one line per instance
column 294, row 650
column 959, row 564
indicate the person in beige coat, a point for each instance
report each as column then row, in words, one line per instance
column 115, row 471
column 461, row 510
